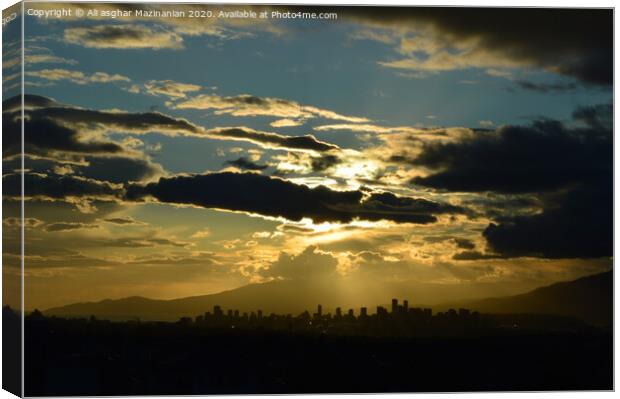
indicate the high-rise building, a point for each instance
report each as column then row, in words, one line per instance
column 351, row 313
column 405, row 306
column 363, row 312
column 319, row 310
column 338, row 312
column 394, row 305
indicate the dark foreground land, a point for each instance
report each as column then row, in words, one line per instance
column 82, row 357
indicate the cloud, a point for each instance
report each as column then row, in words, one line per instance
column 123, row 221
column 29, row 223
column 545, row 87
column 568, row 168
column 271, row 140
column 46, row 136
column 78, row 77
column 578, row 224
column 56, row 127
column 599, row 117
column 123, row 37
column 324, row 162
column 170, row 88
column 403, row 133
column 39, row 185
column 273, row 197
column 68, row 226
column 547, row 155
column 248, row 105
column 310, row 263
column 47, row 59
column 462, row 243
column 70, row 140
column 368, row 128
column 447, row 61
column 204, row 233
column 137, row 242
column 286, row 123
column 120, row 169
column 30, row 101
column 474, row 255
column 574, row 43
column 245, row 164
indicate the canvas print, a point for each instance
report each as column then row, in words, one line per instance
column 249, row 199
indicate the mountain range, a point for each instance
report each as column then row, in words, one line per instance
column 589, row 299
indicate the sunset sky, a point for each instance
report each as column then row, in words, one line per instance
column 177, row 157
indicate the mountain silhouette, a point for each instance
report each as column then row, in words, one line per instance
column 588, row 298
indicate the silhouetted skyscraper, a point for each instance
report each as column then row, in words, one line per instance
column 394, row 305
column 363, row 312
column 319, row 310
column 405, row 306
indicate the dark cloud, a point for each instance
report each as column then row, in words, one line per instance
column 114, row 169
column 578, row 224
column 30, row 101
column 45, row 136
column 120, row 169
column 388, row 206
column 573, row 42
column 545, row 87
column 123, row 37
column 245, row 164
column 55, row 128
column 58, row 187
column 57, row 134
column 122, row 221
column 568, row 169
column 128, row 121
column 51, row 126
column 322, row 163
column 599, row 117
column 67, row 226
column 462, row 243
column 274, row 197
column 271, row 140
column 474, row 255
column 544, row 156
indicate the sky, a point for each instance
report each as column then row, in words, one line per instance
column 172, row 157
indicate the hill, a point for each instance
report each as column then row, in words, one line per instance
column 589, row 298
